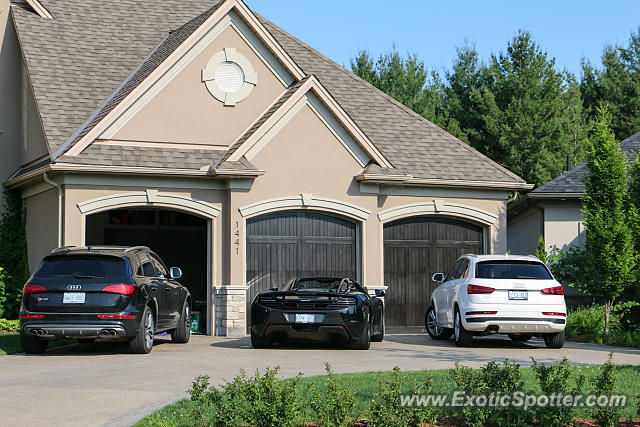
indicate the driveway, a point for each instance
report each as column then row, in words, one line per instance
column 98, row 385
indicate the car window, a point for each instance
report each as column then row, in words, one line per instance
column 512, row 270
column 83, row 266
column 462, row 269
column 145, row 266
column 159, row 265
column 452, row 271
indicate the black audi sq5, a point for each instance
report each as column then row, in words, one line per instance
column 117, row 293
column 318, row 309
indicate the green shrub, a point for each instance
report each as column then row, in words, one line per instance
column 9, row 325
column 261, row 401
column 606, row 382
column 498, row 378
column 386, row 407
column 13, row 254
column 335, row 408
column 589, row 321
column 555, row 379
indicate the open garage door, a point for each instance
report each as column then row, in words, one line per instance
column 287, row 244
column 414, row 249
column 180, row 239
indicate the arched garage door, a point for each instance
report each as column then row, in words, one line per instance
column 414, row 249
column 287, row 244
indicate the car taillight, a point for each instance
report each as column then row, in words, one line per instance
column 123, row 288
column 116, row 316
column 473, row 313
column 556, row 290
column 549, row 313
column 33, row 316
column 30, row 288
column 477, row 289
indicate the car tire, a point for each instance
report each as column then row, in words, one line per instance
column 259, row 342
column 365, row 341
column 86, row 340
column 519, row 338
column 462, row 337
column 142, row 343
column 433, row 329
column 182, row 333
column 379, row 336
column 554, row 340
column 31, row 345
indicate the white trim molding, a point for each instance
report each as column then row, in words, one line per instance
column 151, row 198
column 438, row 207
column 305, row 201
column 249, row 76
column 311, row 93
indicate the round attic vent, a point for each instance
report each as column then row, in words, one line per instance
column 229, row 77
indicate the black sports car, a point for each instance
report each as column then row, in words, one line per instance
column 317, row 309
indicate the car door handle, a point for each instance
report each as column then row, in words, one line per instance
column 167, row 289
column 154, row 288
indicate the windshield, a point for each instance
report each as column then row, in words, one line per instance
column 313, row 284
column 512, row 270
column 83, row 266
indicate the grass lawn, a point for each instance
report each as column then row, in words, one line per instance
column 10, row 343
column 365, row 386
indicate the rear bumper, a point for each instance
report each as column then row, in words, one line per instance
column 339, row 327
column 513, row 325
column 52, row 331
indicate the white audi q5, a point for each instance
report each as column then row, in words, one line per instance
column 497, row 294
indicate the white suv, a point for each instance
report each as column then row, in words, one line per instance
column 497, row 294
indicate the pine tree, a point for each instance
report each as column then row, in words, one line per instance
column 610, row 254
column 541, row 252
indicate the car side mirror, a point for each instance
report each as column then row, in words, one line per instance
column 379, row 293
column 175, row 273
column 438, row 277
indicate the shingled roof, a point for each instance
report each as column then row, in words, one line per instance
column 569, row 184
column 83, row 62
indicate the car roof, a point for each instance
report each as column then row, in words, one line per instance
column 505, row 257
column 97, row 249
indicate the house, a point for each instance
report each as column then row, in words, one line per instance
column 236, row 152
column 554, row 210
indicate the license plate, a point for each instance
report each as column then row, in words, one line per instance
column 519, row 295
column 305, row 318
column 73, row 298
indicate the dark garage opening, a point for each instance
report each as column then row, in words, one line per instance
column 180, row 239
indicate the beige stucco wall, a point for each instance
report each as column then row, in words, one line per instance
column 524, row 231
column 563, row 224
column 305, row 157
column 42, row 225
column 185, row 112
column 10, row 136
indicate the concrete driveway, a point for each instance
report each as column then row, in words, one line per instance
column 99, row 385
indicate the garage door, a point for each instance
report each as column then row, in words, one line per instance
column 415, row 249
column 288, row 244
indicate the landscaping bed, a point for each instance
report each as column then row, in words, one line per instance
column 373, row 398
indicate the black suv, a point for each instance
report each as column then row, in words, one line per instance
column 118, row 293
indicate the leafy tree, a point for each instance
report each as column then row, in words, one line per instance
column 531, row 113
column 633, row 219
column 13, row 254
column 541, row 253
column 617, row 85
column 609, row 250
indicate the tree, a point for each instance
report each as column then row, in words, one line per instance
column 541, row 252
column 633, row 219
column 407, row 80
column 616, row 85
column 610, row 256
column 531, row 114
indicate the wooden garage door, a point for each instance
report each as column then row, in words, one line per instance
column 297, row 244
column 415, row 249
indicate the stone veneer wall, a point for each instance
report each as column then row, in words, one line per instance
column 230, row 307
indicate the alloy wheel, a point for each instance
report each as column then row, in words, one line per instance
column 148, row 329
column 456, row 327
column 432, row 324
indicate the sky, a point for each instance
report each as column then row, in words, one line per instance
column 567, row 30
